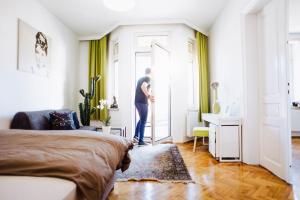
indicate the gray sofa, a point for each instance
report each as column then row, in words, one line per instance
column 40, row 120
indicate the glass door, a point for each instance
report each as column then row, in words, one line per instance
column 161, row 108
column 143, row 61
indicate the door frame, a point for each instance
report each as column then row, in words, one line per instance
column 251, row 125
column 170, row 99
column 149, row 51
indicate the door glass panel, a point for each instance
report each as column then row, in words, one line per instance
column 161, row 91
column 143, row 61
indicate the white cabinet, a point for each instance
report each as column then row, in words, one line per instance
column 229, row 145
column 225, row 135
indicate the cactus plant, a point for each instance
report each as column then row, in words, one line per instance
column 85, row 108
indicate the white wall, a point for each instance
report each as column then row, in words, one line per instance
column 21, row 91
column 226, row 64
column 225, row 54
column 294, row 16
column 179, row 35
column 83, row 68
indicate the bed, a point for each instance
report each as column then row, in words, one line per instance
column 75, row 164
column 31, row 188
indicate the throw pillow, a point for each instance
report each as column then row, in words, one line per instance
column 62, row 121
column 75, row 119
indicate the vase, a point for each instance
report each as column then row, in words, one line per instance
column 106, row 129
column 216, row 108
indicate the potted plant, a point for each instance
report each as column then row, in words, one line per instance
column 103, row 105
column 85, row 108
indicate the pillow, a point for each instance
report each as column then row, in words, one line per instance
column 62, row 121
column 75, row 119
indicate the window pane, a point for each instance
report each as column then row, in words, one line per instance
column 191, row 85
column 191, row 47
column 116, row 78
column 143, row 61
column 146, row 41
column 116, row 50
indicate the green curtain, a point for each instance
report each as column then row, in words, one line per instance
column 98, row 66
column 202, row 45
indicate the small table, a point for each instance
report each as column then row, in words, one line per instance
column 225, row 137
column 120, row 128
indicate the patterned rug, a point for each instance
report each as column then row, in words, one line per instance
column 161, row 163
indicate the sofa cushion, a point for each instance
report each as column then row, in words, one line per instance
column 33, row 120
column 40, row 120
column 62, row 121
column 36, row 120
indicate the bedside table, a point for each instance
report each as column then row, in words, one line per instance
column 117, row 130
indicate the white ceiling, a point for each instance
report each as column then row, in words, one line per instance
column 89, row 17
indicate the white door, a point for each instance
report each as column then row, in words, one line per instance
column 273, row 88
column 161, row 90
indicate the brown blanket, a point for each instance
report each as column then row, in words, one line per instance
column 87, row 158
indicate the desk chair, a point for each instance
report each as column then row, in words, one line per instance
column 199, row 132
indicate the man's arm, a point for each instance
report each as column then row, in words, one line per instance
column 146, row 92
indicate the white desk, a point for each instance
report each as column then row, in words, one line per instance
column 225, row 137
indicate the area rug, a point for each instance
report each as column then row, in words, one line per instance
column 161, row 163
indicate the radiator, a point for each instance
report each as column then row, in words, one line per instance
column 191, row 121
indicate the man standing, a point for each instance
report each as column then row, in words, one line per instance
column 142, row 95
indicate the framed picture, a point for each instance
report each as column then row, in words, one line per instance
column 34, row 50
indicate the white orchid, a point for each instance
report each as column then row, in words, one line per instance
column 102, row 104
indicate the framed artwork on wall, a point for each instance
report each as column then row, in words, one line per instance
column 34, row 50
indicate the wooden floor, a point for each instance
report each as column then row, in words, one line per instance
column 213, row 181
column 296, row 166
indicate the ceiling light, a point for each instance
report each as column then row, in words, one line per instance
column 119, row 5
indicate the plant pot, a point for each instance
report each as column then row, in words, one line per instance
column 106, row 129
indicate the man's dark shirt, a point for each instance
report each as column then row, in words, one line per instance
column 140, row 96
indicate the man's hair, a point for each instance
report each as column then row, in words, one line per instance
column 148, row 71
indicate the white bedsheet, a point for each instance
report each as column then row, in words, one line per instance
column 36, row 188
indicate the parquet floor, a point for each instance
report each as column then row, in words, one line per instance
column 220, row 181
column 296, row 166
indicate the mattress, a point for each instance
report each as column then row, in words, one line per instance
column 36, row 188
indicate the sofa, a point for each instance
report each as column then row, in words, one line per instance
column 40, row 120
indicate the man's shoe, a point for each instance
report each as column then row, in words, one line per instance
column 135, row 139
column 142, row 143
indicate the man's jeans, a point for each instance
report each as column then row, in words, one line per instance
column 140, row 127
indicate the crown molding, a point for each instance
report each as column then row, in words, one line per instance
column 141, row 22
